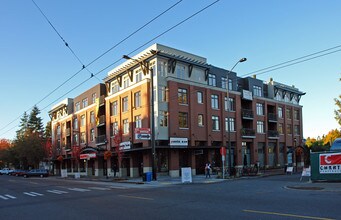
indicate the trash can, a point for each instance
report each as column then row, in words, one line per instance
column 148, row 176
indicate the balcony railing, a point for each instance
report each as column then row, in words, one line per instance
column 102, row 139
column 68, row 132
column 247, row 114
column 273, row 134
column 101, row 100
column 101, row 121
column 272, row 117
column 248, row 133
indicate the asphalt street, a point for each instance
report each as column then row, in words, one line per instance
column 249, row 198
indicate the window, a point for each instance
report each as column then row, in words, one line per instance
column 224, row 82
column 163, row 95
column 260, row 108
column 77, row 106
column 232, row 124
column 288, row 113
column 138, row 76
column 215, row 123
column 200, row 120
column 163, row 119
column 289, row 130
column 182, row 96
column 162, row 67
column 58, row 130
column 214, row 101
column 125, row 126
column 232, row 104
column 85, row 102
column 75, row 123
column 137, row 97
column 257, row 91
column 280, row 128
column 280, row 112
column 114, row 87
column 230, row 84
column 92, row 117
column 126, row 82
column 125, row 104
column 279, row 96
column 82, row 120
column 92, row 134
column 180, row 71
column 93, row 98
column 212, row 80
column 296, row 115
column 83, row 138
column 200, row 97
column 297, row 130
column 260, row 127
column 114, row 128
column 75, row 139
column 183, row 119
column 138, row 121
column 113, row 108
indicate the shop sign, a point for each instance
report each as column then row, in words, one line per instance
column 87, row 156
column 178, row 142
column 330, row 163
column 142, row 133
column 125, row 145
column 247, row 95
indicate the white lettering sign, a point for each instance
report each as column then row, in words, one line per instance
column 178, row 142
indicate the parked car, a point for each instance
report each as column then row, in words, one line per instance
column 336, row 146
column 36, row 172
column 5, row 171
column 17, row 172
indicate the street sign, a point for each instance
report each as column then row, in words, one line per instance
column 142, row 133
column 223, row 151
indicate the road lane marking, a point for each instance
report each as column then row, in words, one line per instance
column 29, row 194
column 99, row 188
column 35, row 193
column 3, row 197
column 136, row 197
column 11, row 197
column 118, row 187
column 56, row 191
column 287, row 215
column 79, row 189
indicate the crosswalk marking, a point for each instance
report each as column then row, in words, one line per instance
column 118, row 187
column 56, row 191
column 33, row 194
column 11, row 197
column 99, row 188
column 79, row 189
column 3, row 197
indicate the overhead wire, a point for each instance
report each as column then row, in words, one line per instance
column 85, row 66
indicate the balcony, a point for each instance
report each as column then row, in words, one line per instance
column 272, row 117
column 101, row 100
column 101, row 121
column 102, row 139
column 248, row 133
column 68, row 132
column 272, row 134
column 247, row 114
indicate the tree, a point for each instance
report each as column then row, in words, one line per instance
column 4, row 144
column 23, row 126
column 331, row 136
column 338, row 111
column 35, row 124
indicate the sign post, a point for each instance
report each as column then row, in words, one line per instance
column 223, row 154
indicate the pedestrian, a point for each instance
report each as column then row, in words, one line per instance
column 208, row 170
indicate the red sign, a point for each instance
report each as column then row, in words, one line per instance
column 330, row 163
column 142, row 133
column 223, row 151
column 87, row 156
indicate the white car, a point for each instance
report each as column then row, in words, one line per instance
column 5, row 171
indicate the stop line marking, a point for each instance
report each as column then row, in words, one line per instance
column 33, row 194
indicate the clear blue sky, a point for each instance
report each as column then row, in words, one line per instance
column 34, row 60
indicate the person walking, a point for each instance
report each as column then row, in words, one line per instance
column 208, row 170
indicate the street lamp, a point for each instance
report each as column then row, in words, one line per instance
column 228, row 114
column 152, row 141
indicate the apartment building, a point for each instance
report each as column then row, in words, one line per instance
column 196, row 109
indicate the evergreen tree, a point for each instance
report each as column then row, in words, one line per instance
column 23, row 126
column 35, row 123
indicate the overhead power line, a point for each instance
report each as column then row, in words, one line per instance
column 85, row 66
